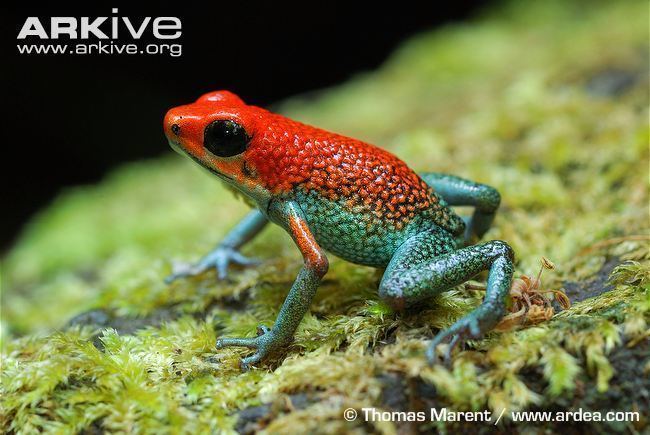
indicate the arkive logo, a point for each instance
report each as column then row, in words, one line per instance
column 106, row 32
column 82, row 28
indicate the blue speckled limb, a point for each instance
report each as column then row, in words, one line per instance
column 289, row 216
column 426, row 265
column 227, row 250
column 459, row 191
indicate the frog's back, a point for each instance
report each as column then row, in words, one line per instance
column 361, row 202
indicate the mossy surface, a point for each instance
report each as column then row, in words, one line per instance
column 547, row 101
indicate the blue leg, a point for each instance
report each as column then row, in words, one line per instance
column 227, row 251
column 426, row 265
column 458, row 191
column 300, row 296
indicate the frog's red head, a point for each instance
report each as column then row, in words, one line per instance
column 215, row 131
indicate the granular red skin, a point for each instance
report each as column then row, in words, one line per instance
column 285, row 155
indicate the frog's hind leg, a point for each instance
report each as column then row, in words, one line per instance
column 427, row 264
column 459, row 191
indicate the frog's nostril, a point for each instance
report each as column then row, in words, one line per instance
column 176, row 129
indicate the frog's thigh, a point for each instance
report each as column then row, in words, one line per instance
column 402, row 282
column 428, row 264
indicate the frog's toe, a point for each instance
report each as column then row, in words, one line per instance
column 239, row 342
column 452, row 344
column 261, row 341
column 171, row 278
column 242, row 260
column 222, row 262
column 183, row 270
column 467, row 327
column 246, row 363
column 221, row 266
column 265, row 343
column 431, row 353
column 222, row 258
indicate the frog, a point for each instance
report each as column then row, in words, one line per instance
column 341, row 196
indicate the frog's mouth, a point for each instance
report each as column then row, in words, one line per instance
column 176, row 146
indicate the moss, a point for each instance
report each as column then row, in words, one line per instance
column 546, row 101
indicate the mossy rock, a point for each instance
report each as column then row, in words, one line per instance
column 547, row 101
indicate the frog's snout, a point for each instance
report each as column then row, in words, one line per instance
column 172, row 125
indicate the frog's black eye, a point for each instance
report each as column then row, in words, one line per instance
column 225, row 138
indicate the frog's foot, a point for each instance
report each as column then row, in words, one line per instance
column 474, row 325
column 220, row 259
column 265, row 343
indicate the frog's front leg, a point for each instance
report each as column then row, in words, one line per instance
column 459, row 191
column 227, row 251
column 289, row 216
column 427, row 264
